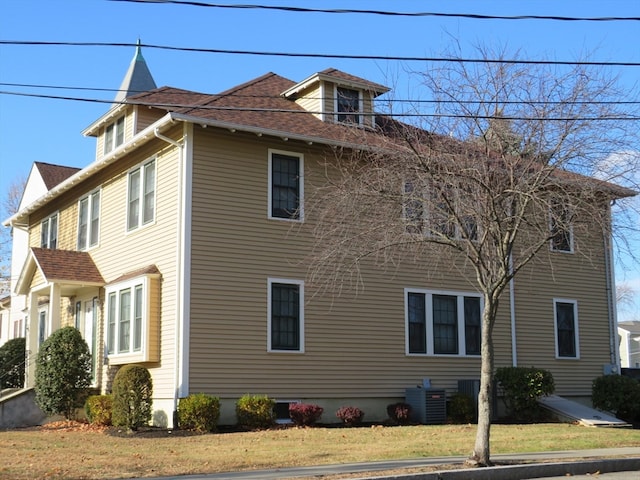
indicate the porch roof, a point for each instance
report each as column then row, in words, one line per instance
column 59, row 266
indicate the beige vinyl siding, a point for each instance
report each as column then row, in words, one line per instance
column 576, row 277
column 354, row 346
column 310, row 99
column 37, row 279
column 121, row 252
column 146, row 116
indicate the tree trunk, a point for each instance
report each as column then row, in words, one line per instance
column 481, row 452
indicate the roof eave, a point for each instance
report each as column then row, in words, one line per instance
column 141, row 138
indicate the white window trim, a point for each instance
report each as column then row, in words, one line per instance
column 575, row 326
column 571, row 240
column 300, row 157
column 141, row 225
column 429, row 321
column 90, row 196
column 360, row 111
column 53, row 215
column 117, row 357
column 289, row 281
column 110, row 148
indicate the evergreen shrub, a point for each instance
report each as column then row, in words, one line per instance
column 12, row 358
column 63, row 372
column 522, row 387
column 617, row 394
column 132, row 397
column 255, row 412
column 199, row 412
column 98, row 409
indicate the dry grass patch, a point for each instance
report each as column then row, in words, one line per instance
column 83, row 452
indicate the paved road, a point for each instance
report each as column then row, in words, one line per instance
column 564, row 465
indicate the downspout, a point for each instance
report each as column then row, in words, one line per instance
column 512, row 309
column 180, row 272
column 611, row 295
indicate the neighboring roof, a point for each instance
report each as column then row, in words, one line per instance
column 66, row 266
column 5, row 301
column 137, row 79
column 631, row 327
column 53, row 175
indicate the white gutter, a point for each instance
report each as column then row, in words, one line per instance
column 183, row 265
column 611, row 295
column 512, row 308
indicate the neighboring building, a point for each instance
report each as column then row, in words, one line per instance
column 629, row 335
column 5, row 313
column 174, row 249
column 42, row 178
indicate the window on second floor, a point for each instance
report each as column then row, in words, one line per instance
column 348, row 105
column 428, row 212
column 89, row 221
column 114, row 135
column 49, row 232
column 141, row 201
column 560, row 227
column 443, row 323
column 286, row 185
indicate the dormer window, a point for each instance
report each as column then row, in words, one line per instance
column 348, row 105
column 114, row 135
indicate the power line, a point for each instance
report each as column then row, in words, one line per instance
column 290, row 111
column 319, row 55
column 473, row 16
column 375, row 100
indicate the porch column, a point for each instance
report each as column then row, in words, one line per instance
column 54, row 308
column 31, row 328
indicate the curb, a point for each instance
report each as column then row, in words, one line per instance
column 530, row 471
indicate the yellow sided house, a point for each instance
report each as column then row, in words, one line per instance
column 182, row 247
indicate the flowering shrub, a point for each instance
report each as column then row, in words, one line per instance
column 304, row 413
column 350, row 415
column 399, row 412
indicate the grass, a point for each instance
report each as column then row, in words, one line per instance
column 81, row 452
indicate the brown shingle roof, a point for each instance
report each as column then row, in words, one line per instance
column 66, row 265
column 148, row 270
column 53, row 175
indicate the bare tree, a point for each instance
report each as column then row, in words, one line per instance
column 499, row 177
column 10, row 205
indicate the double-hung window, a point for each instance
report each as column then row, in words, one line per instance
column 561, row 229
column 49, row 232
column 286, row 185
column 89, row 221
column 114, row 135
column 348, row 105
column 141, row 199
column 442, row 323
column 566, row 328
column 285, row 315
column 131, row 320
column 435, row 213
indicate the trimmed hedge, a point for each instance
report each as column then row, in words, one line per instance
column 350, row 416
column 305, row 414
column 199, row 412
column 522, row 386
column 12, row 358
column 99, row 409
column 255, row 412
column 132, row 397
column 617, row 394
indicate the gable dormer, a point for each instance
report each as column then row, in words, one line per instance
column 337, row 97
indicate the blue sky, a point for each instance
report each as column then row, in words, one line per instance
column 48, row 130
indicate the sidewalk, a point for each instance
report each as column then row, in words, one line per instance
column 591, row 461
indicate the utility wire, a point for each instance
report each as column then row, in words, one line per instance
column 289, row 111
column 375, row 100
column 320, row 55
column 474, row 16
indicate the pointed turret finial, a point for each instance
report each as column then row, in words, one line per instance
column 138, row 77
